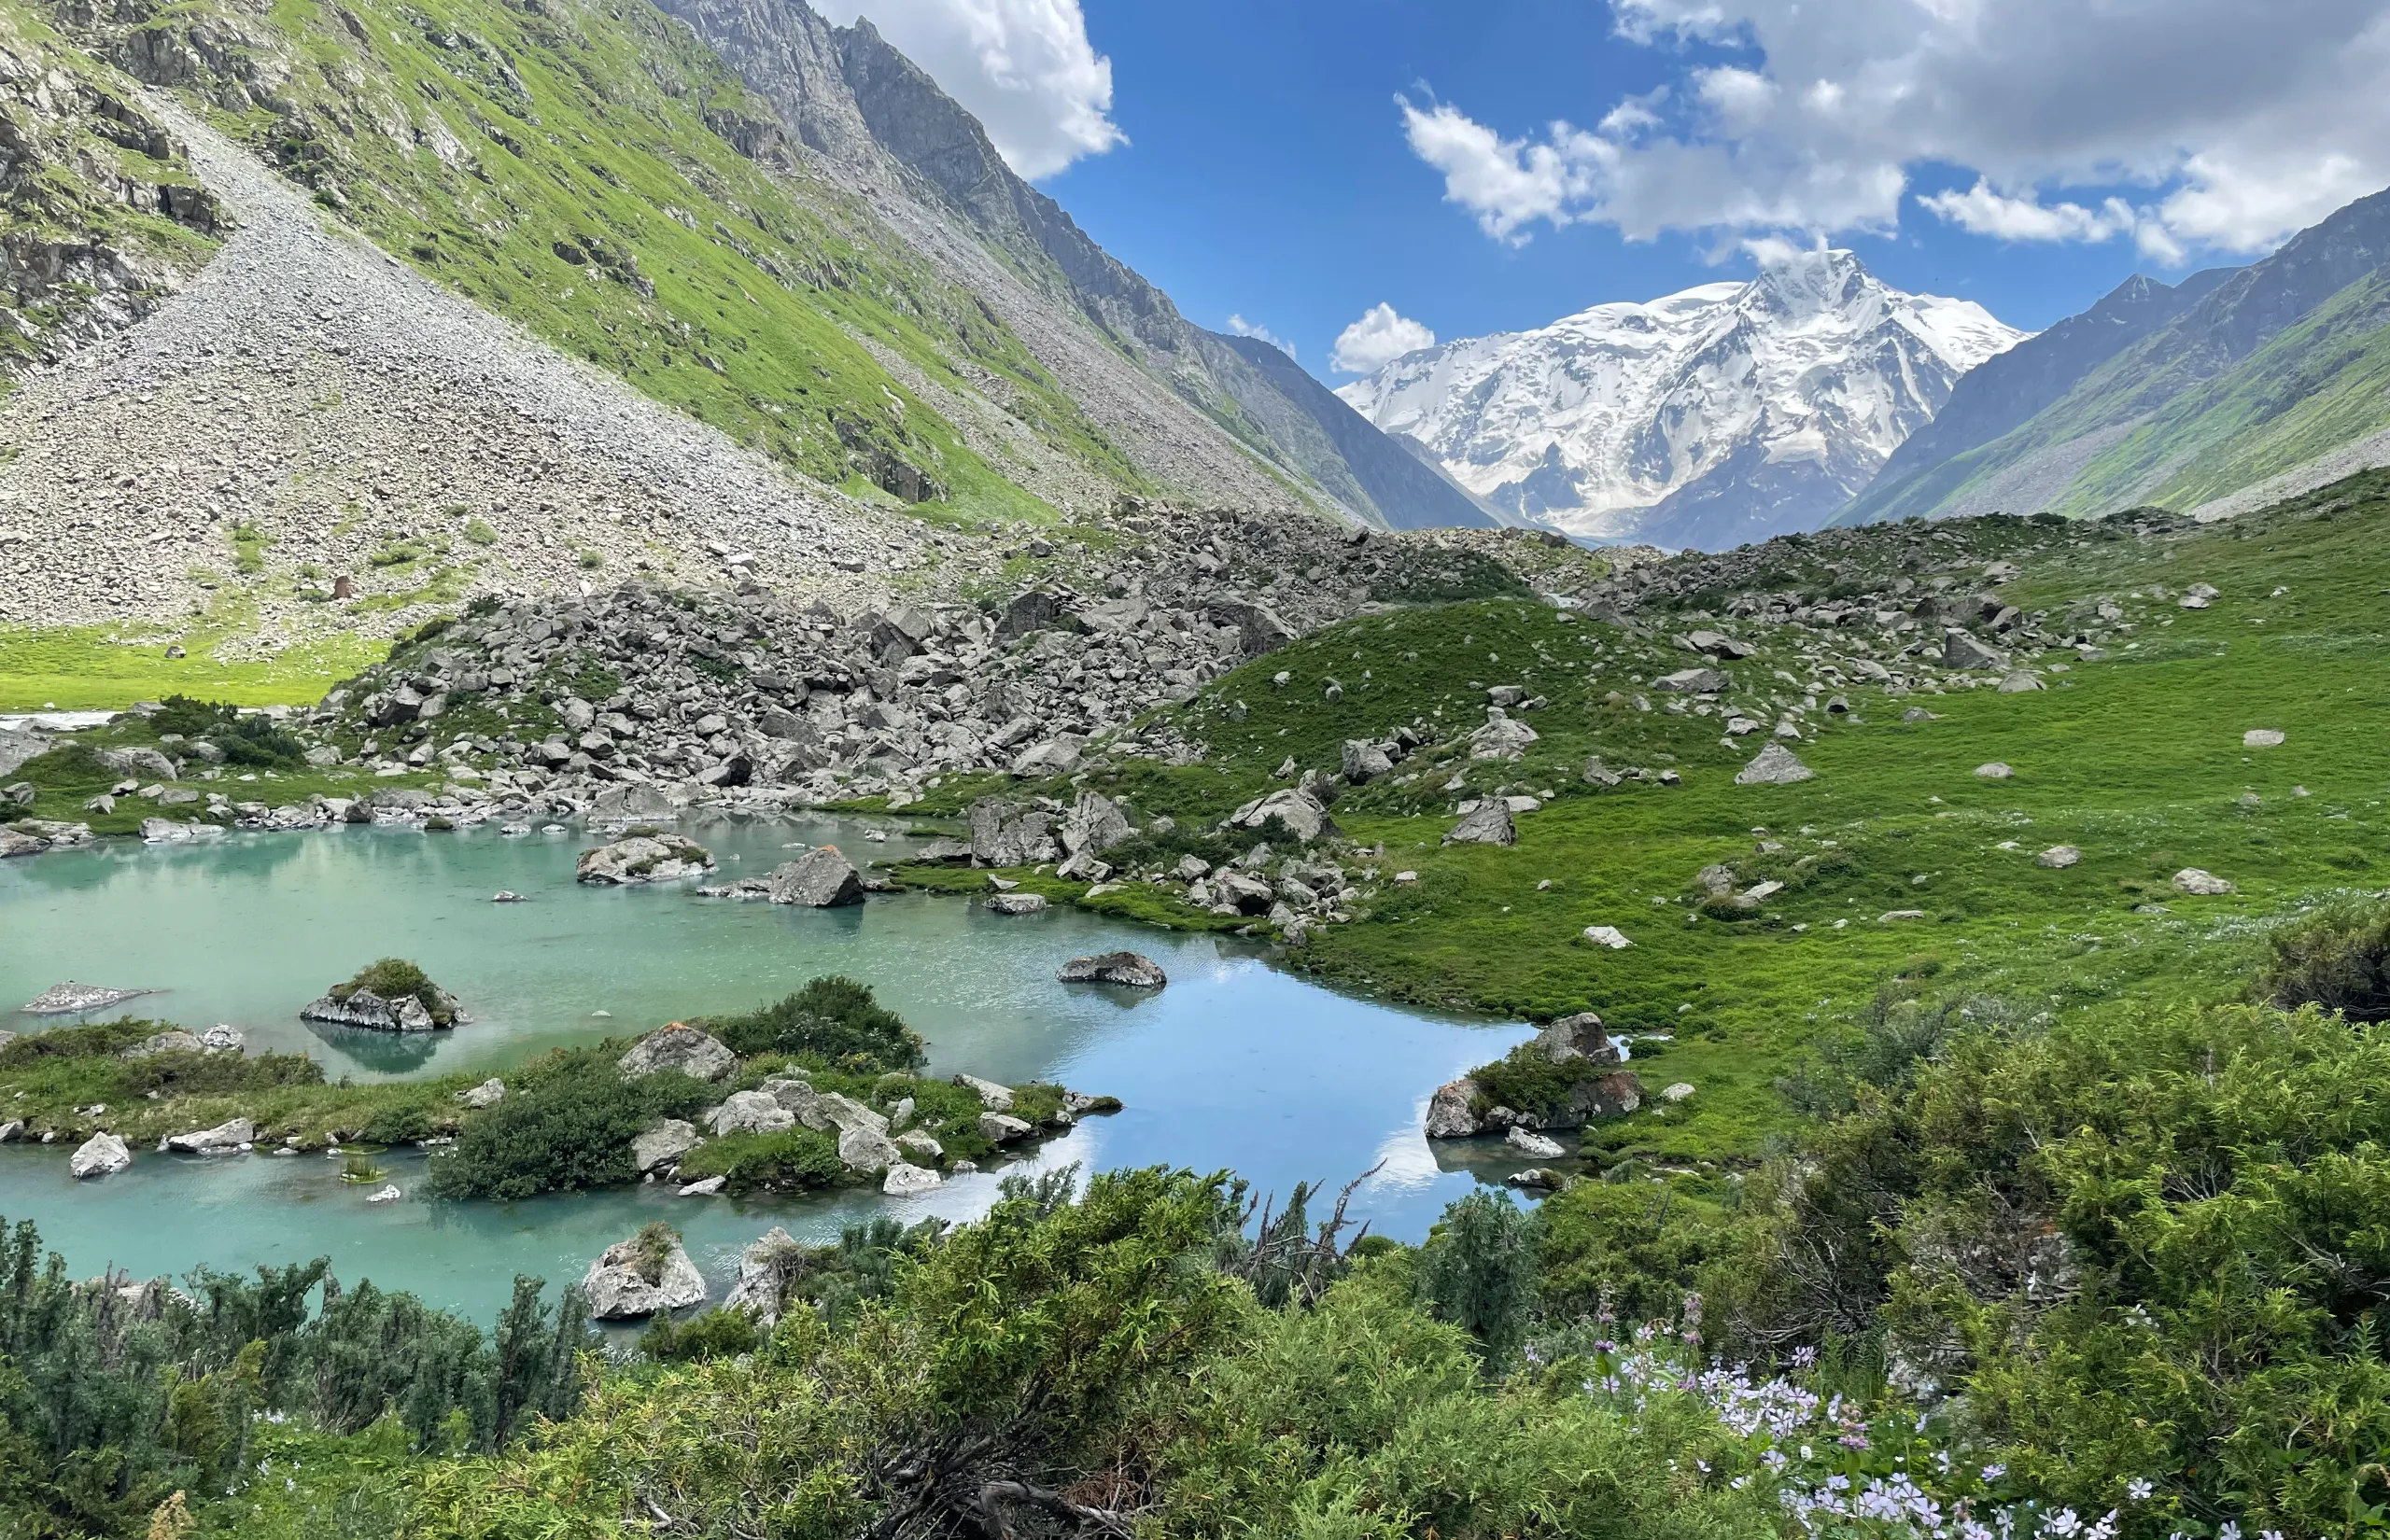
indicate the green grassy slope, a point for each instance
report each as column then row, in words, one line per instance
column 2137, row 759
column 2173, row 430
column 577, row 168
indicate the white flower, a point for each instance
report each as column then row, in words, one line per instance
column 2139, row 1489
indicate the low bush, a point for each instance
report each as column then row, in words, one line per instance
column 2337, row 956
column 394, row 978
column 791, row 1160
column 565, row 1124
column 1526, row 1080
column 714, row 1333
column 833, row 1020
column 252, row 740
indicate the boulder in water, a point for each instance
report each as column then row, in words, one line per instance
column 822, row 878
column 389, row 996
column 71, row 998
column 1128, row 969
column 641, row 859
column 647, row 1275
column 102, row 1154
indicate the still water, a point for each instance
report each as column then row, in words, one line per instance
column 1235, row 1065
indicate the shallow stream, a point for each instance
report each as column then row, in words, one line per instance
column 1236, row 1064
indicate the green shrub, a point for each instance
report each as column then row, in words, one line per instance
column 713, row 1333
column 1478, row 1271
column 253, row 741
column 567, row 1122
column 2338, row 958
column 791, row 1160
column 833, row 1021
column 1526, row 1080
column 73, row 765
column 216, row 1074
column 96, row 1040
column 394, row 978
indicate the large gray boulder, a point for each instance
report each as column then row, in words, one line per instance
column 1363, row 761
column 1961, row 650
column 1773, row 766
column 1488, row 824
column 682, row 1047
column 102, row 1154
column 1577, row 1037
column 867, row 1149
column 908, row 1180
column 1123, row 967
column 822, row 878
column 145, row 763
column 664, row 1145
column 751, row 1113
column 766, row 1269
column 1006, row 833
column 626, row 1283
column 1448, row 1111
column 641, row 859
column 1304, row 814
column 1503, row 737
column 994, row 1098
column 229, row 1135
column 1094, row 824
column 1692, row 682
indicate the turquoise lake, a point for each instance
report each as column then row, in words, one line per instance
column 1237, row 1064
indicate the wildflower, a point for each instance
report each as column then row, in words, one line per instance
column 1994, row 1471
column 1805, row 1358
column 2229, row 1531
column 2270, row 1534
column 2139, row 1489
column 2064, row 1524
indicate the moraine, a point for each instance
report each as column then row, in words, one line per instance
column 1234, row 1064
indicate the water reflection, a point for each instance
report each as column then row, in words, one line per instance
column 1235, row 1065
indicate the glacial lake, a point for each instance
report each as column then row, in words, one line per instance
column 1237, row 1064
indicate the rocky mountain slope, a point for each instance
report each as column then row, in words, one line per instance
column 308, row 414
column 2270, row 382
column 102, row 216
column 1721, row 414
column 884, row 127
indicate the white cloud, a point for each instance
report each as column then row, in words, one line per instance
column 2223, row 124
column 1377, row 339
column 1986, row 212
column 1239, row 326
column 1024, row 68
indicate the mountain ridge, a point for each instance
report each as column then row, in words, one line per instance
column 1724, row 413
column 2272, row 376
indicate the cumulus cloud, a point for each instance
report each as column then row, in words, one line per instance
column 1239, row 326
column 1024, row 68
column 1377, row 339
column 2176, row 124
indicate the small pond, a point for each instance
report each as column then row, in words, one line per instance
column 1237, row 1064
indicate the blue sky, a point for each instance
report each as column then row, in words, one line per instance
column 1252, row 157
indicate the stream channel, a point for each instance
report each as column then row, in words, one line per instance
column 1236, row 1064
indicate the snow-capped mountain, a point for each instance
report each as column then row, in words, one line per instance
column 1728, row 412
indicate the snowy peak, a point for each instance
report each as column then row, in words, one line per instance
column 1724, row 413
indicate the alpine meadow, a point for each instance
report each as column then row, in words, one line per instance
column 706, row 830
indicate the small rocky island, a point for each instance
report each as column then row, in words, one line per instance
column 389, row 996
column 643, row 855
